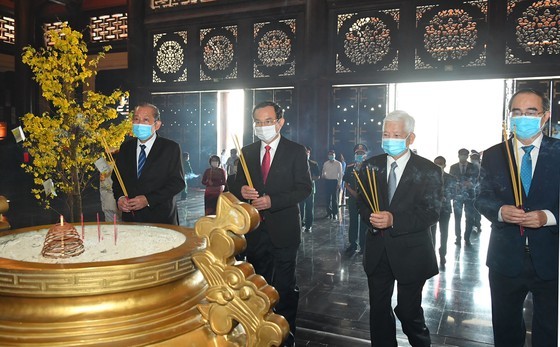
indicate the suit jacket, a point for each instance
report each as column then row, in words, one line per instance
column 161, row 179
column 415, row 207
column 506, row 247
column 288, row 183
column 314, row 171
column 466, row 181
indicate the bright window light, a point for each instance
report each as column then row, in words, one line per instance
column 453, row 115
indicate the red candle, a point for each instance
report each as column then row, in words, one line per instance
column 98, row 229
column 115, row 227
column 82, row 220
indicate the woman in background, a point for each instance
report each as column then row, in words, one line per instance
column 214, row 179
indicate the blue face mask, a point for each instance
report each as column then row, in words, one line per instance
column 331, row 157
column 525, row 127
column 142, row 131
column 359, row 158
column 393, row 147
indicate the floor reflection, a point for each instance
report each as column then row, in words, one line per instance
column 334, row 307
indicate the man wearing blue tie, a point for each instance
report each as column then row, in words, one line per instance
column 151, row 169
column 523, row 248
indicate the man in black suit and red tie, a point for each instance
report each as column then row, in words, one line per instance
column 398, row 241
column 523, row 248
column 280, row 174
column 151, row 169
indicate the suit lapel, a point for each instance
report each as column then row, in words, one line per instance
column 406, row 179
column 276, row 161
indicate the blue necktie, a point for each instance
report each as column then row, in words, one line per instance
column 141, row 160
column 392, row 182
column 527, row 168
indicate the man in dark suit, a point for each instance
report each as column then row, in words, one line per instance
column 523, row 248
column 307, row 206
column 151, row 169
column 280, row 174
column 356, row 227
column 398, row 242
column 465, row 174
column 449, row 186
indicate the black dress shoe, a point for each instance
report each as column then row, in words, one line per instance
column 350, row 250
column 468, row 244
column 458, row 242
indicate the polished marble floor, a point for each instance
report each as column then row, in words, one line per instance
column 334, row 307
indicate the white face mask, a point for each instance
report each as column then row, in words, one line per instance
column 266, row 133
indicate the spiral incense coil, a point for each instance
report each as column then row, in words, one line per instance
column 62, row 241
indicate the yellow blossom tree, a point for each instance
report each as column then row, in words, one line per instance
column 66, row 141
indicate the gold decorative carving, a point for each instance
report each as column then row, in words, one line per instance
column 236, row 294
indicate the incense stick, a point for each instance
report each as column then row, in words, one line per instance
column 363, row 189
column 242, row 161
column 373, row 191
column 375, row 197
column 115, row 168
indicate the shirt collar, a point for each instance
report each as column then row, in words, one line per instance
column 273, row 145
column 401, row 162
column 537, row 142
column 148, row 143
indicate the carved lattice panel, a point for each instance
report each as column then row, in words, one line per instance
column 52, row 26
column 169, row 57
column 7, row 30
column 451, row 35
column 367, row 41
column 162, row 4
column 274, row 47
column 218, row 53
column 533, row 31
column 110, row 27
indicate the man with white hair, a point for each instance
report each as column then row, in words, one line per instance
column 398, row 242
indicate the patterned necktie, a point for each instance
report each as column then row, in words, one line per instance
column 265, row 166
column 141, row 160
column 392, row 182
column 527, row 168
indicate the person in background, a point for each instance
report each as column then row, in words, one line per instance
column 356, row 227
column 475, row 160
column 332, row 174
column 523, row 249
column 342, row 191
column 307, row 206
column 223, row 159
column 449, row 187
column 151, row 169
column 231, row 167
column 214, row 179
column 280, row 174
column 465, row 175
column 398, row 241
column 189, row 173
column 108, row 202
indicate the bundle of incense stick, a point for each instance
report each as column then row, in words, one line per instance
column 374, row 201
column 515, row 182
column 242, row 160
column 115, row 168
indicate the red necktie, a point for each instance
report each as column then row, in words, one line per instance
column 265, row 166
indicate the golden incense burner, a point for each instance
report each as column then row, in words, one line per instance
column 196, row 294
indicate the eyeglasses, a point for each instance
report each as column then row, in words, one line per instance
column 267, row 122
column 528, row 113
